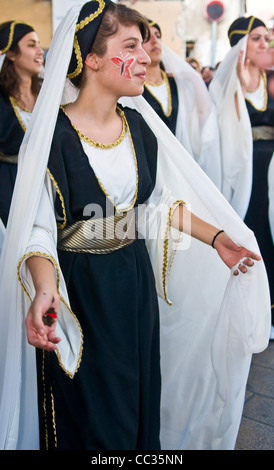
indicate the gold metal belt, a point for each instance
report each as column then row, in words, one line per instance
column 8, row 158
column 263, row 133
column 99, row 236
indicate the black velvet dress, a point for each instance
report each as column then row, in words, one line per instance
column 170, row 120
column 113, row 401
column 11, row 136
column 257, row 217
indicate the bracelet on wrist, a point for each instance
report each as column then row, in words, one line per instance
column 215, row 236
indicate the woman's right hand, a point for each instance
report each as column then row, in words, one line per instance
column 38, row 334
column 243, row 72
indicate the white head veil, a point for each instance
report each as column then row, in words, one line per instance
column 18, row 412
column 235, row 134
column 197, row 125
column 217, row 320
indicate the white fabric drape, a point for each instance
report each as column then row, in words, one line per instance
column 197, row 125
column 235, row 134
column 207, row 337
column 217, row 320
column 18, row 410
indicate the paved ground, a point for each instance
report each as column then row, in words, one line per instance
column 257, row 426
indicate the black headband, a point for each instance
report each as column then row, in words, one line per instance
column 11, row 34
column 241, row 27
column 88, row 23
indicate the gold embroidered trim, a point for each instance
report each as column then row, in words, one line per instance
column 166, row 81
column 53, row 417
column 58, row 190
column 45, row 255
column 79, row 59
column 45, row 407
column 166, row 270
column 264, row 78
column 22, row 107
column 76, row 46
column 98, row 144
column 11, row 34
column 45, row 401
column 157, row 84
column 135, row 161
column 36, row 253
column 247, row 31
column 151, row 23
column 14, row 104
column 119, row 211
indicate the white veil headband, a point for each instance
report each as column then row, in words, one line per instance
column 235, row 134
column 207, row 337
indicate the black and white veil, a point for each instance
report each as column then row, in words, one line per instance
column 208, row 334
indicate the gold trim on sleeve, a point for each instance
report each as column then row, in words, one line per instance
column 45, row 255
column 40, row 254
column 167, row 266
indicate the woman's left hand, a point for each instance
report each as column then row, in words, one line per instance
column 232, row 254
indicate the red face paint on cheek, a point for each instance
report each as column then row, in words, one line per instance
column 125, row 64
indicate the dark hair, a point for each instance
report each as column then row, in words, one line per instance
column 9, row 78
column 115, row 15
